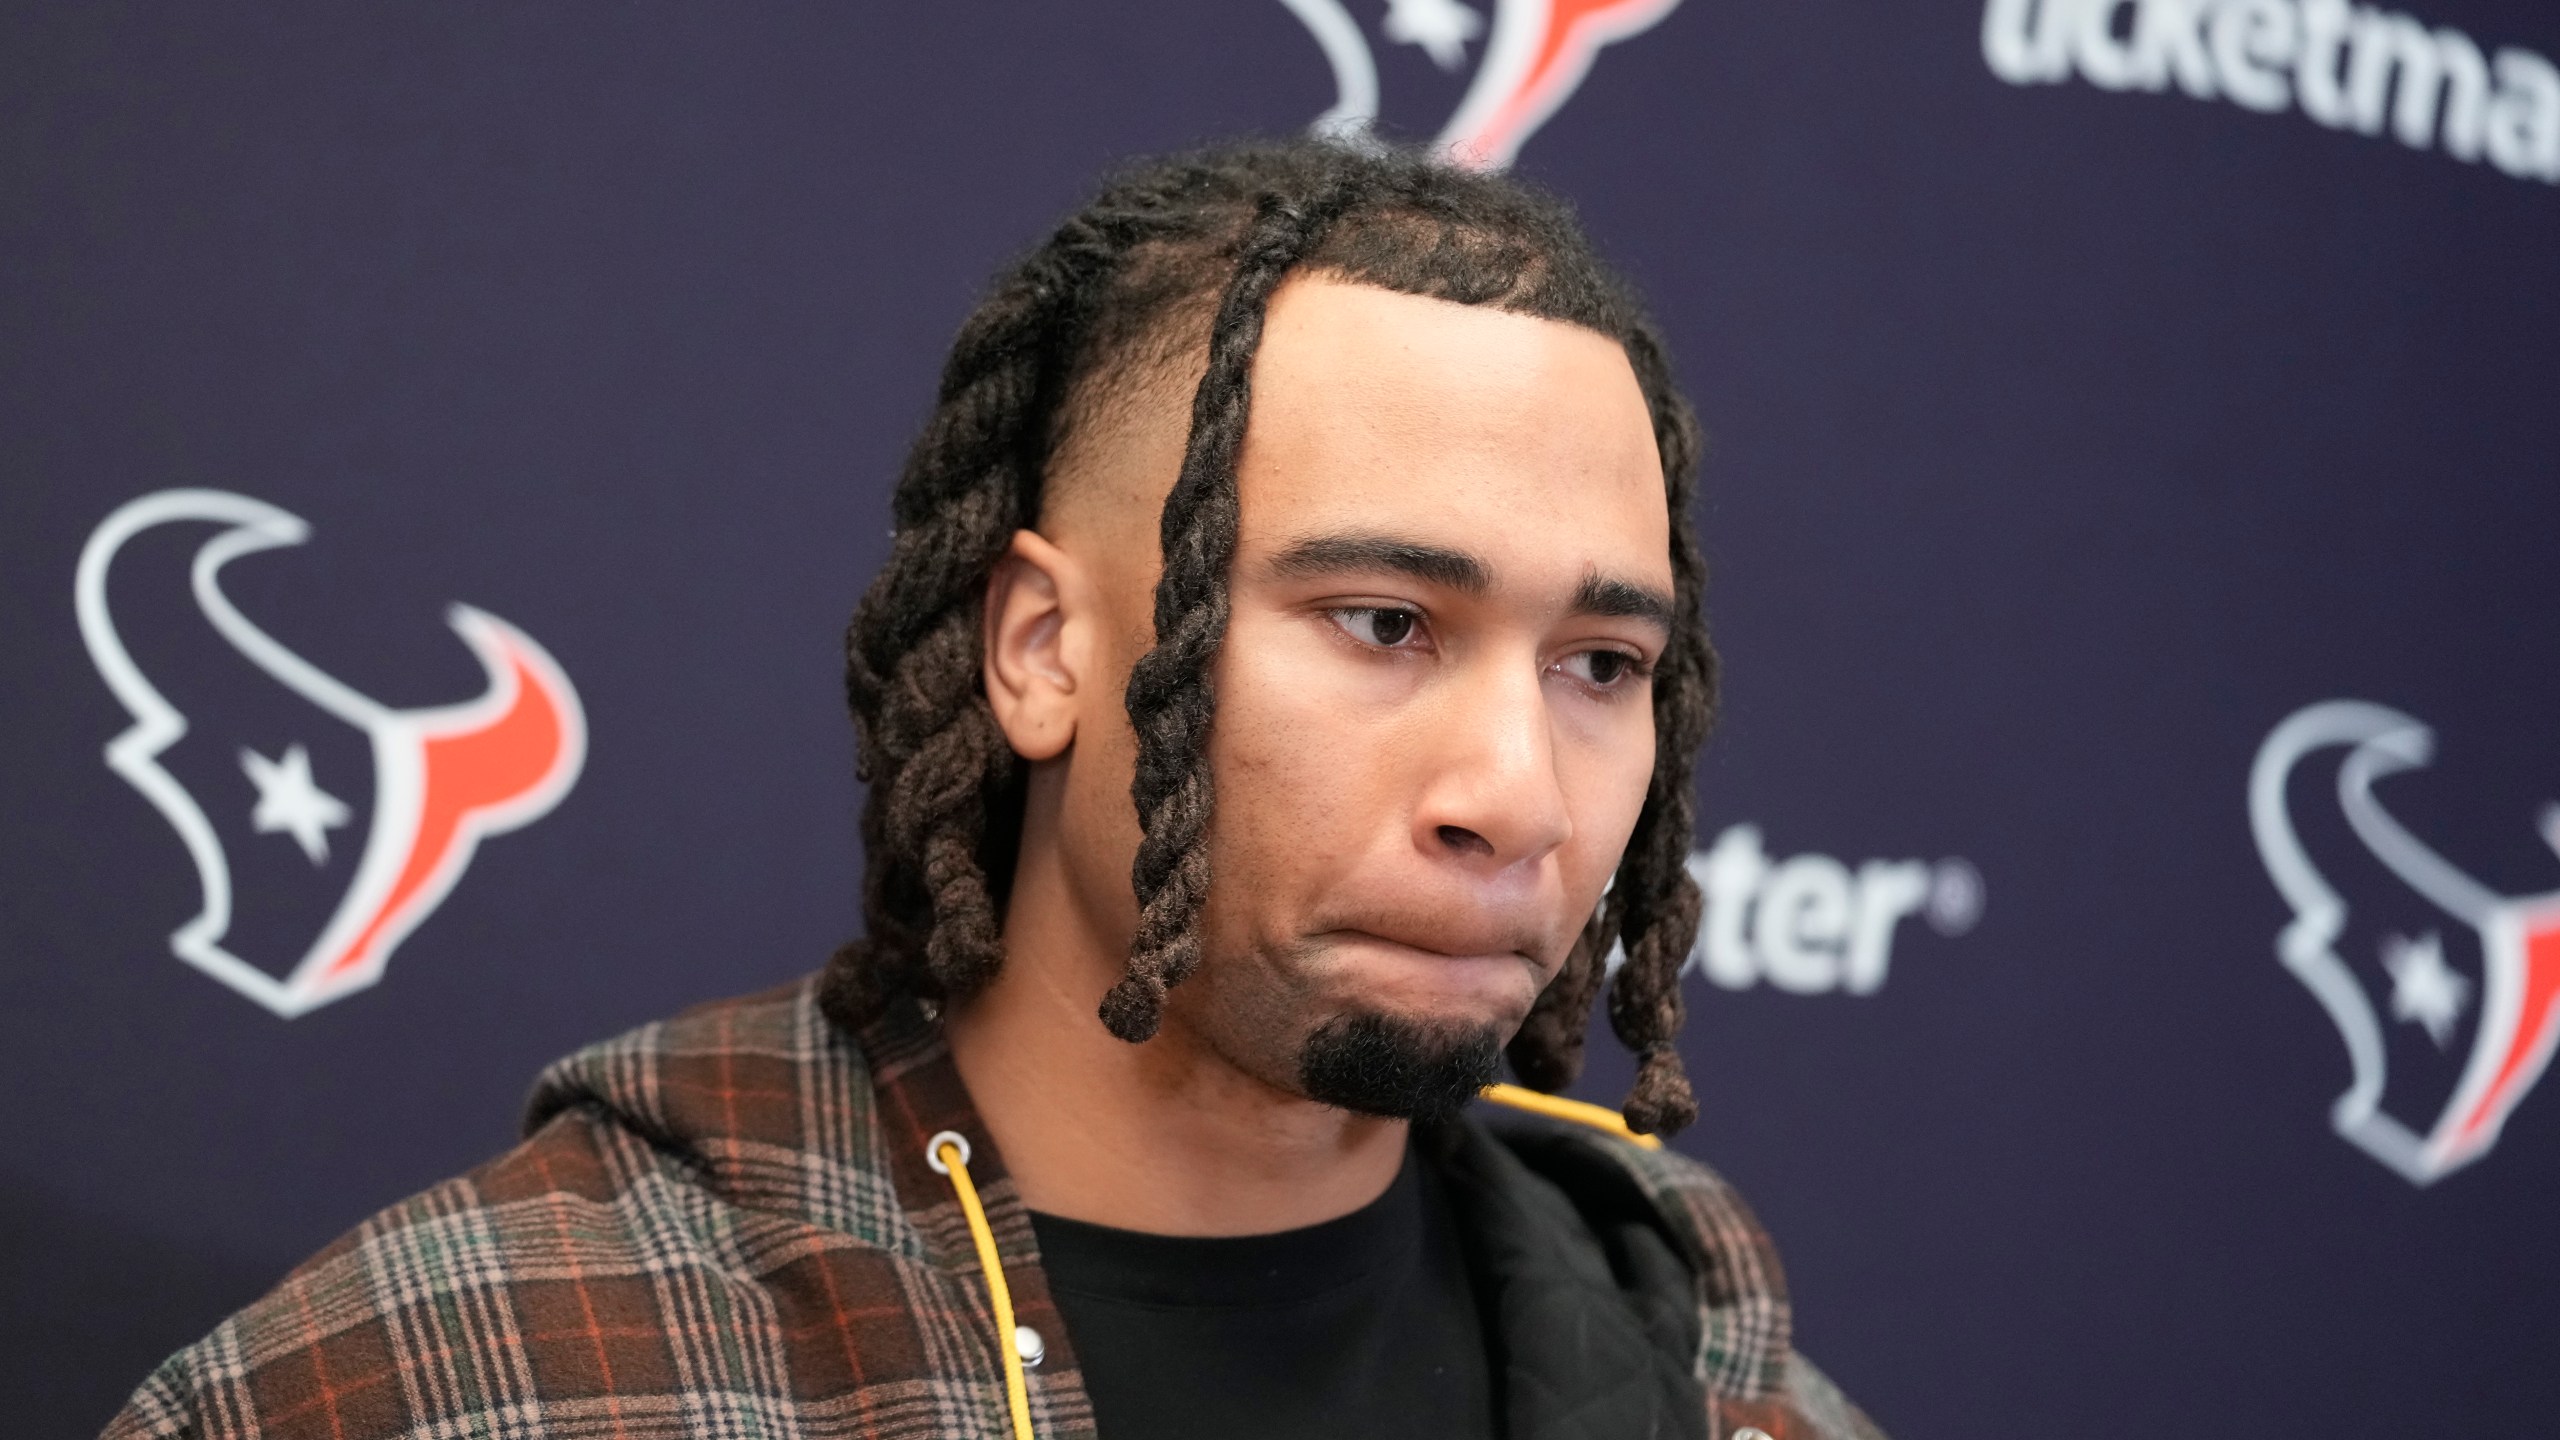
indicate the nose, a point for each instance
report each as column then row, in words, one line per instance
column 1491, row 795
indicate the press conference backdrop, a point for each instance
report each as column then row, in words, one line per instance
column 442, row 443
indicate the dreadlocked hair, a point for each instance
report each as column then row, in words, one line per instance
column 1172, row 257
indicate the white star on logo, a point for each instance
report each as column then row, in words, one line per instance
column 2423, row 987
column 291, row 801
column 1441, row 27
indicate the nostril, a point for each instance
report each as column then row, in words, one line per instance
column 1464, row 840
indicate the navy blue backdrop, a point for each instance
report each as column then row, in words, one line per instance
column 2118, row 1032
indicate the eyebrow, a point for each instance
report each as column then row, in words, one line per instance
column 1599, row 594
column 1356, row 551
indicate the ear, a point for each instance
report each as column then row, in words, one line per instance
column 1035, row 637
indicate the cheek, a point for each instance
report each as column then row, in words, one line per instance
column 1098, row 830
column 1606, row 778
column 1102, row 815
column 1302, row 780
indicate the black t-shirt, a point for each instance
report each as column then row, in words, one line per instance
column 1362, row 1326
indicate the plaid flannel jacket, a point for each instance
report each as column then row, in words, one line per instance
column 723, row 1226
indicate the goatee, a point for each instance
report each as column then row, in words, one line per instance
column 1400, row 1069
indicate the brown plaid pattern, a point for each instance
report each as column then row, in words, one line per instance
column 722, row 1226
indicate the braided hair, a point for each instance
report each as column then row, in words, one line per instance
column 1121, row 294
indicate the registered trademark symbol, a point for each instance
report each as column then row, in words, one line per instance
column 1955, row 897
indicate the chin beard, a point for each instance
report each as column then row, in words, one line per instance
column 1421, row 1070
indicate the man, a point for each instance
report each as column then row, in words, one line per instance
column 1333, row 505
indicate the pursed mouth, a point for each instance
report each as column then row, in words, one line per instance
column 1454, row 954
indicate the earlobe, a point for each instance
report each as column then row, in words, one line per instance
column 1031, row 674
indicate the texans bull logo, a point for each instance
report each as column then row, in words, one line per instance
column 443, row 777
column 2516, row 939
column 1536, row 55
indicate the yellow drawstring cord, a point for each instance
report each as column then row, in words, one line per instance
column 1556, row 1107
column 948, row 1152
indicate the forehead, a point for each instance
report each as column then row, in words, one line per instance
column 1523, row 440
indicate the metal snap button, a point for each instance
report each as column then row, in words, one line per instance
column 1028, row 1344
column 1750, row 1432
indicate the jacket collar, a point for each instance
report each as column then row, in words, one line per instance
column 776, row 1110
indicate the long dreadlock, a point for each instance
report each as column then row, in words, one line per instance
column 1124, row 285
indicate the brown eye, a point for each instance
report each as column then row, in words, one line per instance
column 1386, row 629
column 1603, row 669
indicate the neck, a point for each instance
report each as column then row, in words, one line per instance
column 1167, row 1137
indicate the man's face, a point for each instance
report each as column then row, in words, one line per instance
column 1434, row 720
